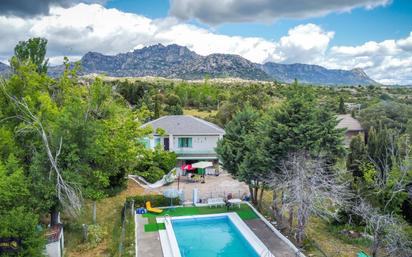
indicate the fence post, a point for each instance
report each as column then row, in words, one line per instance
column 85, row 232
column 123, row 229
column 132, row 209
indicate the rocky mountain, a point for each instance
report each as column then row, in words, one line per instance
column 170, row 61
column 314, row 74
column 4, row 69
column 174, row 61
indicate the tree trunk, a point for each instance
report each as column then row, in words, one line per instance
column 54, row 216
column 251, row 193
column 94, row 212
column 260, row 198
column 290, row 221
column 375, row 246
column 255, row 197
column 300, row 235
column 275, row 206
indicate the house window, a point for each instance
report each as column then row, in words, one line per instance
column 185, row 142
column 157, row 141
column 145, row 141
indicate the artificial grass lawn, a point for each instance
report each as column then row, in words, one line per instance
column 244, row 212
column 154, row 227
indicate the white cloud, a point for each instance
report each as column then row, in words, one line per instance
column 305, row 43
column 76, row 30
column 389, row 61
column 263, row 10
column 405, row 44
column 82, row 28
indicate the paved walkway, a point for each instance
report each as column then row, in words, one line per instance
column 148, row 243
column 270, row 239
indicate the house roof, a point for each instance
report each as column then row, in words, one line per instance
column 349, row 123
column 185, row 125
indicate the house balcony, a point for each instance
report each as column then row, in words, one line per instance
column 190, row 151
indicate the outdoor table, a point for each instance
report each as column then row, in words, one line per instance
column 235, row 201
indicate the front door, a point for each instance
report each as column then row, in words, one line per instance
column 166, row 144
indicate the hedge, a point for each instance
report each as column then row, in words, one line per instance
column 155, row 200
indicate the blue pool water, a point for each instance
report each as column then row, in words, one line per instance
column 211, row 237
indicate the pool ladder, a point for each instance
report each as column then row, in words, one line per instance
column 167, row 219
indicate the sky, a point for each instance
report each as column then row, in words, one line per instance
column 375, row 35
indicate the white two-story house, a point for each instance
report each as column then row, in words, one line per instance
column 191, row 138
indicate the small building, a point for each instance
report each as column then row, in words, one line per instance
column 191, row 138
column 351, row 125
column 55, row 241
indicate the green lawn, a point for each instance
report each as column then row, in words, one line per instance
column 244, row 212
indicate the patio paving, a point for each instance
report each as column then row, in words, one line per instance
column 215, row 186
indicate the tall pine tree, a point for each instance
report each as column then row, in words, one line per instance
column 356, row 157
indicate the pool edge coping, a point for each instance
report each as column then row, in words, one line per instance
column 257, row 245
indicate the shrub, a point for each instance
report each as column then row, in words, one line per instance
column 153, row 174
column 155, row 200
column 152, row 162
column 95, row 235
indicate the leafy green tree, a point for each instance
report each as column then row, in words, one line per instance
column 357, row 157
column 389, row 114
column 238, row 150
column 33, row 50
column 21, row 224
column 71, row 137
column 173, row 105
column 17, row 219
column 252, row 169
column 299, row 125
column 381, row 146
column 154, row 164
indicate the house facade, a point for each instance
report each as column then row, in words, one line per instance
column 191, row 138
column 351, row 125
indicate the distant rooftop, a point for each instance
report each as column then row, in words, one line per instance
column 185, row 125
column 349, row 123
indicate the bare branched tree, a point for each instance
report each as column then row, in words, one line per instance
column 386, row 230
column 69, row 195
column 308, row 187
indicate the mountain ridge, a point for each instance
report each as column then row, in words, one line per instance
column 179, row 62
column 4, row 69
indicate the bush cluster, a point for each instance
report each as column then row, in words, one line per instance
column 155, row 200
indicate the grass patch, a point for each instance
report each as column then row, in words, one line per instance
column 244, row 212
column 199, row 113
column 154, row 227
column 336, row 230
column 332, row 242
column 109, row 217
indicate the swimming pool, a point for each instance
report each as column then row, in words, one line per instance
column 215, row 235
